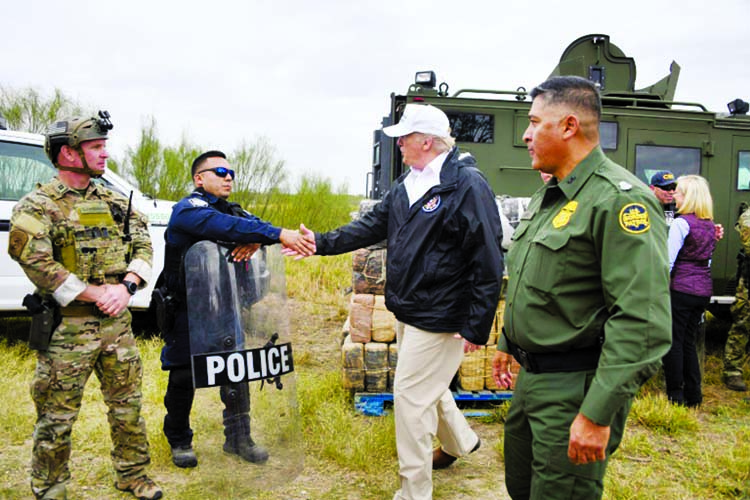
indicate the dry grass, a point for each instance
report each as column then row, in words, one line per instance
column 667, row 452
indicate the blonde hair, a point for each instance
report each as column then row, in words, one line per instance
column 442, row 144
column 697, row 197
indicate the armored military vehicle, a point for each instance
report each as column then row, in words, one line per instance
column 644, row 130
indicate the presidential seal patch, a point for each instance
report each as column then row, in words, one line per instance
column 563, row 217
column 634, row 218
column 432, row 204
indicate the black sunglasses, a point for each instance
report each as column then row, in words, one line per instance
column 668, row 187
column 220, row 171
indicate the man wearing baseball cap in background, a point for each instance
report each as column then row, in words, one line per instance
column 444, row 272
column 663, row 183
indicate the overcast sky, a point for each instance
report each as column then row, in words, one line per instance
column 315, row 77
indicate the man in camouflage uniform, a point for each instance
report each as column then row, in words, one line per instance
column 735, row 351
column 70, row 238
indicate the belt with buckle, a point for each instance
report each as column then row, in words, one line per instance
column 555, row 362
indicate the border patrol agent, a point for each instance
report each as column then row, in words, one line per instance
column 444, row 274
column 587, row 309
column 87, row 254
column 735, row 350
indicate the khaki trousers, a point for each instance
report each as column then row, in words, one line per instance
column 424, row 406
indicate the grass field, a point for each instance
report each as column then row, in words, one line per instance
column 668, row 452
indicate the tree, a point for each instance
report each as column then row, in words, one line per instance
column 27, row 110
column 259, row 173
column 159, row 171
column 164, row 171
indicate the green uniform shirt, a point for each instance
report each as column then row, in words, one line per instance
column 589, row 257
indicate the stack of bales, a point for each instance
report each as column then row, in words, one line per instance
column 475, row 372
column 369, row 351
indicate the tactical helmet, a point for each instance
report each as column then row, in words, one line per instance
column 73, row 131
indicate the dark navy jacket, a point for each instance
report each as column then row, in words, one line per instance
column 199, row 217
column 444, row 268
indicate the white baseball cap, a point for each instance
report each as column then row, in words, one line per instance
column 422, row 118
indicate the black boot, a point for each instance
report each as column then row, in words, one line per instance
column 184, row 457
column 238, row 442
column 247, row 450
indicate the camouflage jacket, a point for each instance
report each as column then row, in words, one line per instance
column 65, row 240
column 743, row 227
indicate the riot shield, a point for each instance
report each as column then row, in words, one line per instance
column 245, row 417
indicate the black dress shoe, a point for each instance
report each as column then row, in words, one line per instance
column 442, row 460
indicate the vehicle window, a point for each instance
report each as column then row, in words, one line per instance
column 679, row 161
column 472, row 127
column 608, row 135
column 22, row 166
column 743, row 171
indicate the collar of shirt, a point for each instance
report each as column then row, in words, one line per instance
column 417, row 183
column 61, row 188
column 585, row 169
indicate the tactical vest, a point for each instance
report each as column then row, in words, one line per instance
column 174, row 270
column 173, row 274
column 87, row 240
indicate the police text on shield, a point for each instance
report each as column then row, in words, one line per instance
column 225, row 368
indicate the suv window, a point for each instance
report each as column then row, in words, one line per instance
column 21, row 167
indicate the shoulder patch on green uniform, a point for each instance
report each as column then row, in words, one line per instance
column 28, row 224
column 634, row 218
column 17, row 241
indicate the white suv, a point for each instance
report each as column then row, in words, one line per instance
column 23, row 163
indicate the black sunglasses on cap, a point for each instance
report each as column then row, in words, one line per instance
column 220, row 171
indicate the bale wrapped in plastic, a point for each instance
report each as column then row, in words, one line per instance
column 383, row 322
column 471, row 371
column 376, row 367
column 369, row 270
column 360, row 317
column 353, row 364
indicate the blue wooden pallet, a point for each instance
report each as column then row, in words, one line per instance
column 372, row 404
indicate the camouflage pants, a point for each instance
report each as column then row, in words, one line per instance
column 735, row 351
column 79, row 346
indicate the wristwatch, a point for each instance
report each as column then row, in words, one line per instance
column 130, row 286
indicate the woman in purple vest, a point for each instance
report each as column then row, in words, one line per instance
column 691, row 243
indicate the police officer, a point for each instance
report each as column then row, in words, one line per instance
column 207, row 215
column 735, row 350
column 587, row 308
column 87, row 252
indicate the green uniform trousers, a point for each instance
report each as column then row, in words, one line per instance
column 80, row 346
column 537, row 432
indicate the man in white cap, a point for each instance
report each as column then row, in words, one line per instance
column 443, row 278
